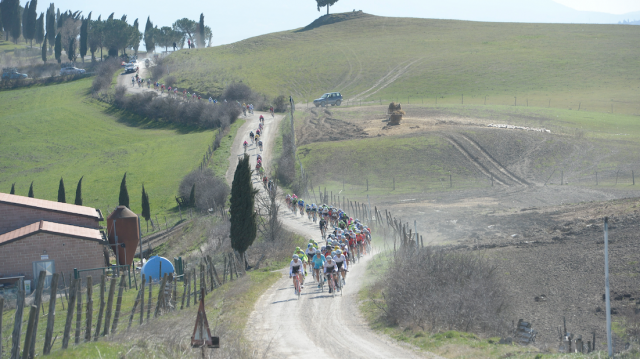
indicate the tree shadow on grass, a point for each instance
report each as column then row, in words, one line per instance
column 132, row 120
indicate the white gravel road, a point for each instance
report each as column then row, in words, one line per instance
column 318, row 325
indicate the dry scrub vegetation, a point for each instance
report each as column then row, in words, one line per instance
column 439, row 290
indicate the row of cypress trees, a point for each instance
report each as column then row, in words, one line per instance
column 62, row 197
column 123, row 200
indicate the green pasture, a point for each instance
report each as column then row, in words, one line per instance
column 566, row 66
column 57, row 131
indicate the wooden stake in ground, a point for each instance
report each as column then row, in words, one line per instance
column 89, row 310
column 38, row 302
column 118, row 305
column 29, row 336
column 188, row 289
column 103, row 286
column 78, row 311
column 1, row 313
column 195, row 286
column 150, row 296
column 142, row 289
column 135, row 305
column 70, row 308
column 107, row 316
column 17, row 325
column 159, row 303
column 184, row 289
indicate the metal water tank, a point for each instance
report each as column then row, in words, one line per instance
column 123, row 228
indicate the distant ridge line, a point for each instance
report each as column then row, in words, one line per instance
column 335, row 18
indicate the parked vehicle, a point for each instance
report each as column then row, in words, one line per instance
column 11, row 73
column 129, row 69
column 71, row 71
column 330, row 98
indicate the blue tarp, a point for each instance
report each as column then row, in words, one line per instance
column 152, row 268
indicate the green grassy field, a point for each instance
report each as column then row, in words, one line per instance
column 56, row 131
column 557, row 65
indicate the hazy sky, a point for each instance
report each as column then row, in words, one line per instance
column 232, row 21
column 608, row 6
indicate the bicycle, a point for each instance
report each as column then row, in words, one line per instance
column 332, row 284
column 297, row 289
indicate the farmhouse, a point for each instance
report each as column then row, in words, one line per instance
column 38, row 235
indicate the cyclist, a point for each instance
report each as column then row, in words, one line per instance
column 251, row 135
column 303, row 257
column 310, row 252
column 301, row 207
column 323, row 226
column 296, row 268
column 271, row 110
column 318, row 262
column 261, row 118
column 260, row 145
column 258, row 132
column 264, row 181
column 257, row 137
column 245, row 145
column 341, row 261
column 330, row 269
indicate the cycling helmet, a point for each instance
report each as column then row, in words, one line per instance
column 297, row 248
column 338, row 252
column 295, row 256
column 309, row 245
column 329, row 259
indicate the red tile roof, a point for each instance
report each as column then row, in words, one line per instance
column 50, row 227
column 50, row 205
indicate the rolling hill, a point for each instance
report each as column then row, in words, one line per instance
column 372, row 58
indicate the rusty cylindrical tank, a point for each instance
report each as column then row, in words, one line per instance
column 122, row 222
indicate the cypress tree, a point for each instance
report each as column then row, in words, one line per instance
column 84, row 32
column 58, row 48
column 123, row 199
column 31, row 190
column 39, row 34
column 32, row 18
column 24, row 21
column 16, row 21
column 78, row 200
column 51, row 24
column 71, row 51
column 192, row 196
column 149, row 42
column 62, row 197
column 146, row 209
column 44, row 50
column 201, row 31
column 13, row 189
column 243, row 216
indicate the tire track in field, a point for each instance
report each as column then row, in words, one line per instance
column 386, row 80
column 494, row 162
column 481, row 167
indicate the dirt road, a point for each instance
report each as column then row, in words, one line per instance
column 317, row 325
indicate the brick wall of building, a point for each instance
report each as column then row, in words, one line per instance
column 13, row 217
column 67, row 252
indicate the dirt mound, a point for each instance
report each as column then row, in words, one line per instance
column 320, row 126
column 334, row 18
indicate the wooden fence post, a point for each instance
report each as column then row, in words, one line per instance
column 78, row 311
column 1, row 312
column 160, row 300
column 89, row 310
column 103, row 285
column 195, row 286
column 203, row 279
column 188, row 289
column 71, row 305
column 224, row 272
column 135, row 305
column 29, row 336
column 184, row 288
column 142, row 289
column 118, row 305
column 107, row 316
column 17, row 326
column 38, row 302
column 150, row 296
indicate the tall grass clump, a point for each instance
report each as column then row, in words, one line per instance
column 439, row 290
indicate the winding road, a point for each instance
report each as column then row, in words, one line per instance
column 318, row 325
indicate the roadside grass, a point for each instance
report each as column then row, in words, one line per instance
column 220, row 159
column 567, row 64
column 450, row 344
column 55, row 131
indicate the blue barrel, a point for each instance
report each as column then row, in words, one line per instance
column 152, row 268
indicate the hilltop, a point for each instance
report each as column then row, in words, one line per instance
column 373, row 58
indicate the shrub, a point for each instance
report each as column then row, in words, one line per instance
column 280, row 104
column 286, row 163
column 104, row 75
column 170, row 81
column 210, row 191
column 158, row 70
column 237, row 91
column 440, row 290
